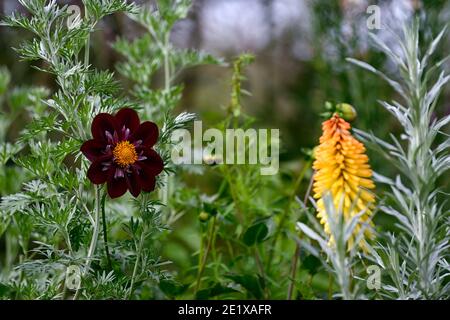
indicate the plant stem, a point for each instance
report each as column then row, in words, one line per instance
column 286, row 212
column 136, row 264
column 293, row 272
column 260, row 266
column 88, row 41
column 105, row 232
column 9, row 260
column 234, row 196
column 166, row 64
column 94, row 239
column 93, row 244
column 330, row 286
column 165, row 191
column 214, row 256
column 205, row 256
column 96, row 230
column 297, row 247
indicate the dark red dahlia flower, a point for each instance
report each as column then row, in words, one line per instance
column 122, row 153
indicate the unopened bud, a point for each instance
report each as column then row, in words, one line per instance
column 203, row 216
column 346, row 111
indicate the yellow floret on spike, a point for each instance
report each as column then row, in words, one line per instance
column 342, row 169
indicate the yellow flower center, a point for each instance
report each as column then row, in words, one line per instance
column 125, row 153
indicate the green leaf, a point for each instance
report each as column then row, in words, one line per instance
column 101, row 8
column 256, row 233
column 305, row 291
column 171, row 288
column 36, row 127
column 253, row 284
column 4, row 290
column 215, row 290
column 311, row 264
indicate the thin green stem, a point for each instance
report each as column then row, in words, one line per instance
column 214, row 256
column 260, row 266
column 136, row 264
column 167, row 78
column 88, row 41
column 9, row 257
column 296, row 255
column 201, row 253
column 234, row 195
column 293, row 271
column 205, row 256
column 165, row 191
column 330, row 286
column 94, row 239
column 286, row 213
column 95, row 232
column 105, row 232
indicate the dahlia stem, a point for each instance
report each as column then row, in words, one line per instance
column 105, row 232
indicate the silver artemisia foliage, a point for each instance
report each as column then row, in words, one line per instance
column 415, row 259
column 340, row 259
column 56, row 209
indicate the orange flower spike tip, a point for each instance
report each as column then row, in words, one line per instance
column 342, row 169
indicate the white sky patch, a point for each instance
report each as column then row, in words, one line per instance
column 234, row 26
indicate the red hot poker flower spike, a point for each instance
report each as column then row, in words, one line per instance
column 121, row 153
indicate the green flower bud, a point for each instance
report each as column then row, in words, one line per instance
column 203, row 216
column 346, row 111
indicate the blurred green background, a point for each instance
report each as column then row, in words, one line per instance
column 300, row 48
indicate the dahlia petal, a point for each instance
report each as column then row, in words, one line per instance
column 96, row 173
column 146, row 135
column 127, row 118
column 119, row 173
column 103, row 126
column 133, row 183
column 116, row 187
column 108, row 131
column 93, row 149
column 153, row 164
column 147, row 181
